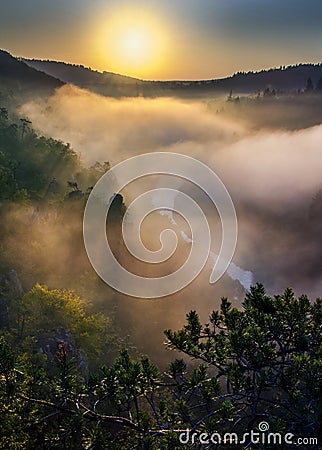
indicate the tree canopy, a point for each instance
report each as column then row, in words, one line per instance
column 261, row 362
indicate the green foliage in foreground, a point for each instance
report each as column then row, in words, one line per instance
column 259, row 363
column 43, row 310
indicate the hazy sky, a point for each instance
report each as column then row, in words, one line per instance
column 165, row 39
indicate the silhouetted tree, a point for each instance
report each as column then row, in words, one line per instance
column 76, row 193
column 319, row 85
column 73, row 184
column 24, row 126
column 309, row 85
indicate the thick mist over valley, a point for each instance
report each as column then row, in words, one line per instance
column 272, row 171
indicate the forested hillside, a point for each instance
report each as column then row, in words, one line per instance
column 19, row 79
column 282, row 79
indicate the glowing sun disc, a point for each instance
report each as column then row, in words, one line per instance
column 134, row 43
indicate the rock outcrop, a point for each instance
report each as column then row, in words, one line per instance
column 47, row 343
column 10, row 289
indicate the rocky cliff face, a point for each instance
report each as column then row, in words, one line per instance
column 10, row 289
column 10, row 284
column 48, row 343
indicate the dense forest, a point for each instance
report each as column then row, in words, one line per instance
column 281, row 79
column 70, row 377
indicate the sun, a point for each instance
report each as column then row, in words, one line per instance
column 133, row 43
column 136, row 46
